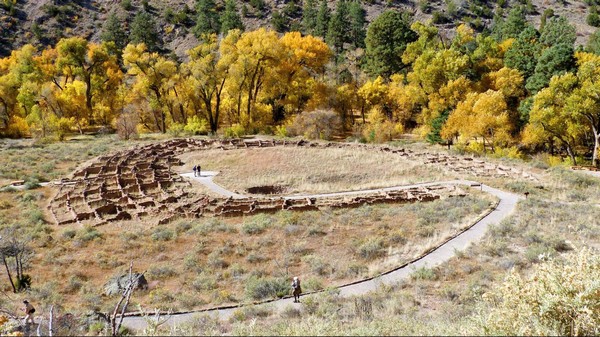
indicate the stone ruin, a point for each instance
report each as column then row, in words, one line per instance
column 139, row 184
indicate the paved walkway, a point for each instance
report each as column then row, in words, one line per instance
column 443, row 253
column 206, row 178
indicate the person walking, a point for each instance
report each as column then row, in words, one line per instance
column 198, row 168
column 29, row 310
column 296, row 289
column 195, row 169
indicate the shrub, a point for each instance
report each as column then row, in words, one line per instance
column 126, row 4
column 69, row 234
column 371, row 249
column 424, row 273
column 176, row 129
column 558, row 298
column 161, row 272
column 161, row 296
column 234, row 131
column 593, row 19
column 196, row 126
column 318, row 124
column 162, row 234
column 257, row 225
column 216, row 261
column 380, row 129
column 204, row 282
column 262, row 288
column 317, row 265
column 89, row 233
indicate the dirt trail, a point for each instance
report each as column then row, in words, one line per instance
column 441, row 254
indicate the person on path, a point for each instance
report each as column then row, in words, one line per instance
column 296, row 289
column 195, row 169
column 29, row 310
column 198, row 168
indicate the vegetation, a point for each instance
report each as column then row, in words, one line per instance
column 258, row 81
column 513, row 91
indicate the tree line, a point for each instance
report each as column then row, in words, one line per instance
column 512, row 89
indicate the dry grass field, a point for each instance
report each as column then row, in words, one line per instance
column 200, row 263
column 311, row 170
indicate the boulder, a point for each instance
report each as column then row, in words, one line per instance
column 116, row 285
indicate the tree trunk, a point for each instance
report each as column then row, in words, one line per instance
column 571, row 154
column 595, row 154
column 9, row 276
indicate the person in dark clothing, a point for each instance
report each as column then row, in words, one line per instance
column 296, row 289
column 195, row 169
column 29, row 310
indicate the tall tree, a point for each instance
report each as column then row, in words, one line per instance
column 512, row 26
column 558, row 30
column 338, row 29
column 482, row 115
column 207, row 20
column 92, row 64
column 323, row 16
column 524, row 52
column 309, row 17
column 155, row 77
column 112, row 31
column 585, row 100
column 357, row 16
column 555, row 60
column 387, row 38
column 549, row 119
column 144, row 30
column 230, row 18
column 207, row 73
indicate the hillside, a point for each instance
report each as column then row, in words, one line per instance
column 44, row 22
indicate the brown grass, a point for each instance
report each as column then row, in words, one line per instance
column 310, row 170
column 201, row 263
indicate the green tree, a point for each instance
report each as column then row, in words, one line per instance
column 558, row 30
column 279, row 22
column 112, row 31
column 143, row 30
column 387, row 38
column 555, row 60
column 207, row 19
column 230, row 18
column 323, row 16
column 358, row 21
column 593, row 45
column 309, row 17
column 512, row 26
column 338, row 29
column 550, row 120
column 524, row 52
column 548, row 13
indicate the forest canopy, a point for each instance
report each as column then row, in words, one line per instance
column 512, row 90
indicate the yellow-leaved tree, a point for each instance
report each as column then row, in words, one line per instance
column 155, row 78
column 480, row 115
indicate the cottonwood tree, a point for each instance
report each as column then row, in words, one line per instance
column 155, row 76
column 207, row 72
column 480, row 115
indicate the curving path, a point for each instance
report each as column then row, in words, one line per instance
column 507, row 204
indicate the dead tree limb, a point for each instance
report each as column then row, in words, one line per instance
column 125, row 297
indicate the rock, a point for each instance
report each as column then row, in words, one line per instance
column 117, row 285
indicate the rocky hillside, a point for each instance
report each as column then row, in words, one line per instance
column 43, row 22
